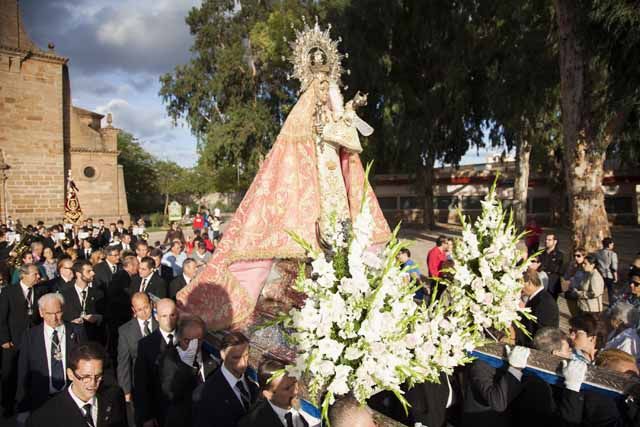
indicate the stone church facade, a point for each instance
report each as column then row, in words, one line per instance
column 42, row 136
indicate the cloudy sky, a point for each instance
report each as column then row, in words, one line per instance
column 118, row 49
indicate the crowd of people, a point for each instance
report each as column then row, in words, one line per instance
column 603, row 304
column 91, row 335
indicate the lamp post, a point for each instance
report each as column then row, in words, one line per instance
column 4, row 167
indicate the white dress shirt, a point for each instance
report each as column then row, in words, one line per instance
column 25, row 292
column 83, row 303
column 232, row 380
column 144, row 283
column 141, row 325
column 112, row 266
column 165, row 335
column 48, row 332
column 81, row 403
column 280, row 412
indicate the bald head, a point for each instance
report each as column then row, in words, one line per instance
column 167, row 314
column 141, row 306
column 347, row 412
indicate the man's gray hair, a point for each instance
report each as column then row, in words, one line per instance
column 549, row 339
column 44, row 299
column 626, row 313
column 24, row 269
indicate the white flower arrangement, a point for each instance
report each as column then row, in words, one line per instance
column 488, row 268
column 360, row 330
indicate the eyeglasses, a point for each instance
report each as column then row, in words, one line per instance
column 88, row 379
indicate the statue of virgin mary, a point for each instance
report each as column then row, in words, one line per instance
column 311, row 176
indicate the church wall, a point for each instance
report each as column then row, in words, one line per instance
column 31, row 136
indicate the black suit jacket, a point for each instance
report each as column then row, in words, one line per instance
column 118, row 297
column 541, row 404
column 218, row 405
column 157, row 286
column 262, row 415
column 14, row 316
column 178, row 381
column 58, row 284
column 488, row 395
column 33, row 366
column 545, row 308
column 62, row 411
column 129, row 335
column 175, row 285
column 103, row 276
column 428, row 403
column 83, row 255
column 95, row 304
column 146, row 386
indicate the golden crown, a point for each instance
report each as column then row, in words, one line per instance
column 314, row 52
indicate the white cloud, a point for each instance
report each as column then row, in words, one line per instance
column 154, row 129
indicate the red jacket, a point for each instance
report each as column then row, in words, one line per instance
column 435, row 258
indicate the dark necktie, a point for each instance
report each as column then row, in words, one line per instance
column 29, row 303
column 244, row 395
column 84, row 300
column 289, row 418
column 87, row 415
column 146, row 331
column 113, row 269
column 57, row 370
column 87, row 253
column 143, row 285
column 170, row 340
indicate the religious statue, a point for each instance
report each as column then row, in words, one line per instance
column 311, row 176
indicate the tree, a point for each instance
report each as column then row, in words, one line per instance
column 139, row 175
column 599, row 63
column 517, row 48
column 170, row 180
column 234, row 92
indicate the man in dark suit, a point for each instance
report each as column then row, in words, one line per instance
column 118, row 310
column 87, row 401
column 228, row 394
column 430, row 403
column 552, row 263
column 540, row 403
column 542, row 305
column 107, row 268
column 275, row 408
column 129, row 334
column 18, row 313
column 148, row 281
column 65, row 277
column 189, row 269
column 84, row 304
column 86, row 249
column 146, row 385
column 180, row 370
column 164, row 271
column 44, row 352
column 490, row 391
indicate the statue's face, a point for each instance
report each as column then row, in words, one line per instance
column 323, row 91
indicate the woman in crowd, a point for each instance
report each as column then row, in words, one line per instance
column 49, row 263
column 573, row 278
column 623, row 320
column 173, row 233
column 591, row 288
